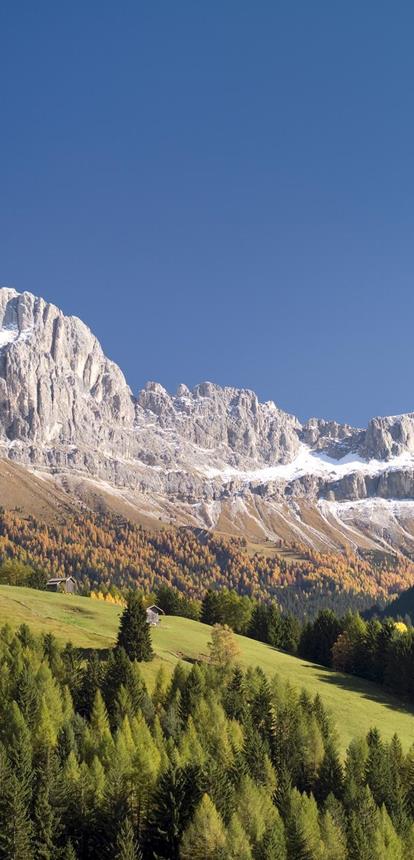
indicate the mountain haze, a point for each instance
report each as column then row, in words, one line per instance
column 210, row 457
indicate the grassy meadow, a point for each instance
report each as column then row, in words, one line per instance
column 355, row 704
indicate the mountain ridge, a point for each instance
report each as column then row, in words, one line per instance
column 200, row 456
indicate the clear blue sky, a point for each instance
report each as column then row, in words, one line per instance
column 222, row 190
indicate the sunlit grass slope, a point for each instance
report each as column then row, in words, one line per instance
column 356, row 705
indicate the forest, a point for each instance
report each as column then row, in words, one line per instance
column 213, row 763
column 106, row 553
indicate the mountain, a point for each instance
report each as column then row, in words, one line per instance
column 210, row 457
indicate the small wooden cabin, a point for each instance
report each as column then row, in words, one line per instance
column 65, row 584
column 154, row 615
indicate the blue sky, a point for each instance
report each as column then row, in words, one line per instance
column 221, row 190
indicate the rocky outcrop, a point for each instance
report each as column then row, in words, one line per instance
column 334, row 439
column 230, row 421
column 389, row 437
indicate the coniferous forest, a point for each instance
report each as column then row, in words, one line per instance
column 212, row 763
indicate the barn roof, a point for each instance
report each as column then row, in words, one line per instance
column 56, row 579
column 154, row 608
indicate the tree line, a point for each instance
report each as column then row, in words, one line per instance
column 211, row 763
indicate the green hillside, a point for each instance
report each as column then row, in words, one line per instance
column 355, row 704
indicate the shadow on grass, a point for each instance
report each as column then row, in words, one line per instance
column 352, row 684
column 104, row 653
column 366, row 689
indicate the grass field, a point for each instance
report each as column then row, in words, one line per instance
column 356, row 705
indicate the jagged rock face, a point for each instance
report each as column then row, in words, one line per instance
column 58, row 392
column 65, row 407
column 335, row 439
column 63, row 404
column 225, row 419
column 389, row 437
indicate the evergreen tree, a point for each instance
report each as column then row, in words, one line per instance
column 363, row 824
column 259, row 623
column 255, row 752
column 178, row 792
column 126, row 847
column 192, row 691
column 15, row 824
column 27, row 695
column 377, row 768
column 168, row 599
column 69, row 852
column 134, row 631
column 221, row 790
column 234, row 699
column 273, row 845
column 333, row 838
column 303, row 831
column 237, row 843
column 20, row 752
column 391, row 846
column 43, row 815
column 90, row 681
column 330, row 776
column 205, row 836
column 289, row 633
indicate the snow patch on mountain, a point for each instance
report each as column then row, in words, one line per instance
column 315, row 463
column 8, row 335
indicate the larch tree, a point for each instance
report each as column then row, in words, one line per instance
column 238, row 845
column 223, row 646
column 126, row 847
column 205, row 836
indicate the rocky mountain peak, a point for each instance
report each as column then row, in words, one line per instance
column 67, row 409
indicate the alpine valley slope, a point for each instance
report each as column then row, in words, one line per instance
column 72, row 432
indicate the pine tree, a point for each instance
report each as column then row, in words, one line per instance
column 205, row 836
column 177, row 793
column 333, row 838
column 397, row 805
column 115, row 807
column 69, row 852
column 283, row 793
column 254, row 752
column 221, row 790
column 171, row 720
column 15, row 824
column 44, row 820
column 377, row 768
column 255, row 810
column 101, row 734
column 330, row 776
column 237, row 843
column 234, row 702
column 27, row 695
column 355, row 764
column 192, row 690
column 363, row 839
column 90, row 681
column 390, row 843
column 20, row 752
column 126, row 847
column 134, row 634
column 273, row 844
column 303, row 831
column 263, row 713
